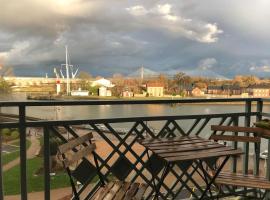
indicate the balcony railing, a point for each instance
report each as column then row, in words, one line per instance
column 122, row 143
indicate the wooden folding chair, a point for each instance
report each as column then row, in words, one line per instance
column 241, row 179
column 76, row 151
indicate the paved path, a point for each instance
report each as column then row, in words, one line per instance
column 56, row 194
column 30, row 153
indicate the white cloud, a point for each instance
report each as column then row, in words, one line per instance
column 264, row 68
column 162, row 17
column 164, row 9
column 137, row 10
column 15, row 53
column 207, row 63
column 211, row 34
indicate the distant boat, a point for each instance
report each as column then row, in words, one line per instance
column 40, row 97
column 79, row 92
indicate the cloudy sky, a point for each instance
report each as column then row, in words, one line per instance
column 217, row 37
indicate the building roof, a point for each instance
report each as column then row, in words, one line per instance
column 103, row 82
column 259, row 86
column 154, row 85
column 231, row 87
column 214, row 87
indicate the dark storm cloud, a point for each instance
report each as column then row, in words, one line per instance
column 105, row 38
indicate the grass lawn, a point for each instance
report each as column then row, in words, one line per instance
column 7, row 157
column 35, row 183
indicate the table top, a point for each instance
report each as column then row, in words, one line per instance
column 187, row 148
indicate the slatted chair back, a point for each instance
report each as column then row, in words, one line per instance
column 81, row 147
column 249, row 138
column 74, row 153
column 236, row 138
column 235, row 178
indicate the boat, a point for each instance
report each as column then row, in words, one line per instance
column 79, row 92
column 264, row 155
column 40, row 97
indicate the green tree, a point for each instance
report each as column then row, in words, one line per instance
column 85, row 75
column 4, row 86
column 93, row 90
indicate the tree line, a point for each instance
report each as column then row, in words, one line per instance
column 174, row 85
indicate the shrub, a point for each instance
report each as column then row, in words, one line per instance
column 54, row 143
column 5, row 131
column 14, row 134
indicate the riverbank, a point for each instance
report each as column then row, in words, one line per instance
column 158, row 98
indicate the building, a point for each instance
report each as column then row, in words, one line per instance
column 231, row 90
column 197, row 92
column 228, row 90
column 104, row 92
column 155, row 89
column 35, row 81
column 214, row 89
column 127, row 94
column 104, row 87
column 259, row 90
column 102, row 82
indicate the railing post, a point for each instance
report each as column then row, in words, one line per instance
column 246, row 144
column 1, row 172
column 257, row 146
column 268, row 169
column 235, row 144
column 47, row 164
column 22, row 130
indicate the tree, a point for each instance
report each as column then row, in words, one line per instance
column 201, row 85
column 93, row 90
column 85, row 78
column 4, row 86
column 182, row 80
column 84, row 75
column 245, row 81
column 6, row 71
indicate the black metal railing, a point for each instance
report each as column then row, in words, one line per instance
column 123, row 144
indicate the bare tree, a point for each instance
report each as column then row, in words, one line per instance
column 182, row 80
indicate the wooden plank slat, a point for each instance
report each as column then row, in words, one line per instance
column 244, row 176
column 180, row 143
column 266, row 133
column 79, row 155
column 75, row 142
column 132, row 191
column 97, row 193
column 205, row 155
column 237, row 129
column 113, row 191
column 236, row 138
column 243, row 180
column 121, row 193
column 193, row 150
column 140, row 192
column 162, row 140
column 104, row 191
column 187, row 148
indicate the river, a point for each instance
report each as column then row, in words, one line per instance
column 117, row 111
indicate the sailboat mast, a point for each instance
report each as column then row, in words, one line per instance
column 67, row 71
column 142, row 71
